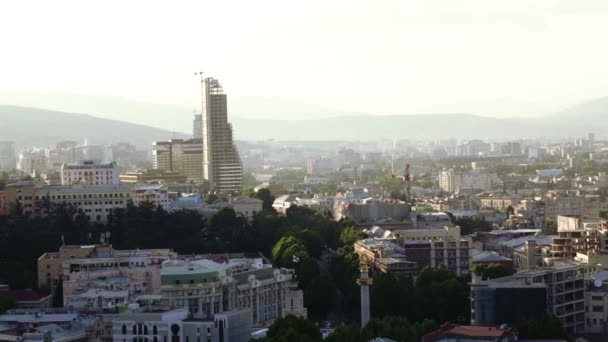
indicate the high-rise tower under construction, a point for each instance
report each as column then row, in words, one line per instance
column 221, row 162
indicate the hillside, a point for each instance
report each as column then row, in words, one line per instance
column 38, row 127
column 590, row 113
column 373, row 127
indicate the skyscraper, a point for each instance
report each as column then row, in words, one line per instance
column 221, row 162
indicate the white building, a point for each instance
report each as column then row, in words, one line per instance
column 155, row 194
column 248, row 207
column 32, row 160
column 90, row 173
column 7, row 155
column 95, row 201
column 451, row 181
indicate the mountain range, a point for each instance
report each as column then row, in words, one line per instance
column 41, row 127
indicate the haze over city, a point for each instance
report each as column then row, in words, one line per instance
column 509, row 58
column 324, row 171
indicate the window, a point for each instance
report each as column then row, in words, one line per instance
column 597, row 308
column 597, row 297
column 124, row 329
column 154, row 328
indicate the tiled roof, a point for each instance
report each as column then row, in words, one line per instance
column 25, row 295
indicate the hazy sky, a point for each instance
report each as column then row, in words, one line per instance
column 486, row 57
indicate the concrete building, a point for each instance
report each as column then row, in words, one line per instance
column 32, row 160
column 407, row 251
column 500, row 203
column 178, row 326
column 184, row 157
column 154, row 194
column 152, row 176
column 247, row 207
column 90, row 172
column 575, row 236
column 97, row 201
column 221, row 162
column 53, row 266
column 8, row 160
column 558, row 203
column 454, row 182
column 558, row 290
column 371, row 211
column 197, row 127
column 386, row 256
column 27, row 326
column 207, row 287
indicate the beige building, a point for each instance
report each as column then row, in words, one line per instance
column 181, row 156
column 222, row 166
column 500, row 203
column 53, row 266
column 248, row 207
column 157, row 195
column 208, row 287
column 570, row 204
column 575, row 236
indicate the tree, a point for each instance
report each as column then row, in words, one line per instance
column 267, row 199
column 58, row 295
column 6, row 303
column 351, row 234
column 550, row 228
column 320, row 297
column 396, row 328
column 293, row 329
column 211, row 198
column 492, row 271
column 550, row 327
column 287, row 248
column 306, row 270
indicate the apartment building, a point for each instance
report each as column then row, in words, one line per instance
column 453, row 182
column 157, row 195
column 90, row 172
column 207, row 287
column 157, row 325
column 500, row 203
column 558, row 203
column 53, row 266
column 575, row 236
column 32, row 160
column 181, row 156
column 386, row 256
column 558, row 290
column 8, row 160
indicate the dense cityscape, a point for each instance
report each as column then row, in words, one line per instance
column 276, row 171
column 307, row 240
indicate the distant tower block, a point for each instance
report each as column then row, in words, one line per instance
column 364, row 282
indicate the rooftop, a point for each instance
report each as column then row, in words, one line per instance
column 89, row 164
column 25, row 295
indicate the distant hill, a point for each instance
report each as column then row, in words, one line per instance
column 41, row 127
column 167, row 116
column 593, row 113
column 30, row 127
column 373, row 127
